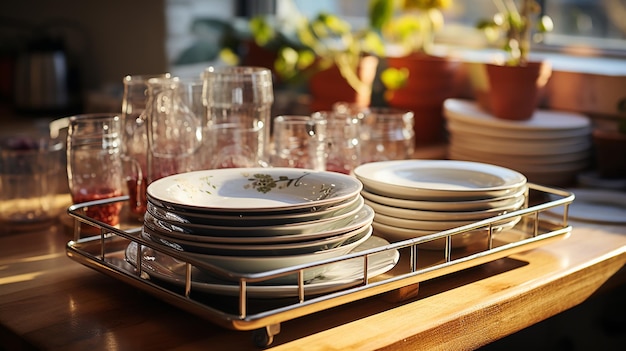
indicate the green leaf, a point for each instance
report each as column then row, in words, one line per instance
column 380, row 12
column 262, row 31
column 394, row 78
column 545, row 24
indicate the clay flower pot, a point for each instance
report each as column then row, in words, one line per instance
column 328, row 86
column 514, row 92
column 431, row 81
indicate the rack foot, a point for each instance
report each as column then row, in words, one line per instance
column 264, row 337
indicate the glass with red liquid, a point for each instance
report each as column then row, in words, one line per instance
column 135, row 139
column 175, row 118
column 95, row 163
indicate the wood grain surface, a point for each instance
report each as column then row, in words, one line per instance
column 50, row 302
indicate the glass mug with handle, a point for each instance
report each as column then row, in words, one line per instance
column 135, row 138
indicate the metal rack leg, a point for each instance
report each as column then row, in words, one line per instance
column 264, row 337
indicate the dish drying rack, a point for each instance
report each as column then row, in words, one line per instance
column 105, row 252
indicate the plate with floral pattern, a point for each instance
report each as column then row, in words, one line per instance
column 253, row 189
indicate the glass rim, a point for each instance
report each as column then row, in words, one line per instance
column 243, row 70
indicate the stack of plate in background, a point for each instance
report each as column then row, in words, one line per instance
column 258, row 219
column 551, row 148
column 413, row 198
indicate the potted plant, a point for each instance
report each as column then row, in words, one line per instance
column 511, row 89
column 335, row 62
column 416, row 76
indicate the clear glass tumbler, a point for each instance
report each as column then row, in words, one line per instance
column 175, row 120
column 30, row 175
column 299, row 142
column 240, row 96
column 95, row 163
column 387, row 134
column 343, row 144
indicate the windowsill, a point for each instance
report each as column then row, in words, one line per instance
column 594, row 86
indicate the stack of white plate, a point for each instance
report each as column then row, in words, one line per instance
column 413, row 198
column 259, row 219
column 551, row 148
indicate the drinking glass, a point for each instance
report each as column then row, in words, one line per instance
column 94, row 163
column 239, row 96
column 387, row 134
column 343, row 145
column 299, row 142
column 30, row 177
column 135, row 137
column 175, row 118
column 233, row 146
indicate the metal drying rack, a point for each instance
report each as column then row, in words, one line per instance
column 106, row 252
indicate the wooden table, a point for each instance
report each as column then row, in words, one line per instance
column 48, row 301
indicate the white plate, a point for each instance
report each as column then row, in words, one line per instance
column 248, row 219
column 542, row 120
column 257, row 264
column 274, row 228
column 438, row 179
column 511, row 147
column 468, row 205
column 418, row 224
column 258, row 250
column 283, row 234
column 421, row 215
column 513, row 163
column 396, row 234
column 466, row 128
column 337, row 276
column 253, row 189
column 536, row 160
column 596, row 205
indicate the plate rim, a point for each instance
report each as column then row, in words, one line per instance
column 288, row 290
column 352, row 187
column 365, row 173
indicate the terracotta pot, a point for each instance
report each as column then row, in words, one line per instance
column 515, row 91
column 329, row 86
column 431, row 81
column 610, row 153
column 479, row 83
